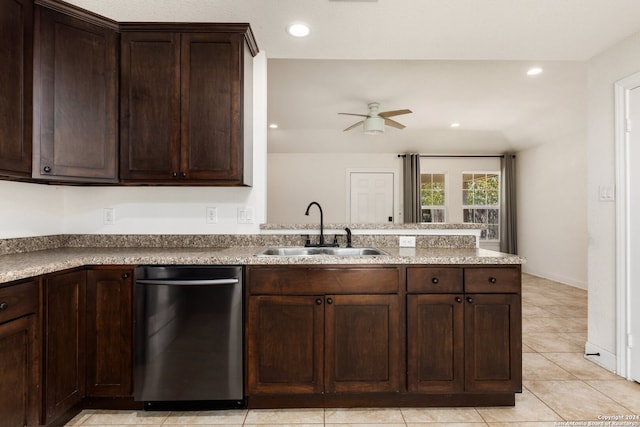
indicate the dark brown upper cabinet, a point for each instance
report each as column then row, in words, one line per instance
column 75, row 105
column 16, row 56
column 185, row 103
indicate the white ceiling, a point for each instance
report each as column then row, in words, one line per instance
column 447, row 60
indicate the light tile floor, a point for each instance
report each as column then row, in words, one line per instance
column 561, row 387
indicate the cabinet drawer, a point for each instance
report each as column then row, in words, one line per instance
column 434, row 280
column 506, row 279
column 18, row 300
column 315, row 281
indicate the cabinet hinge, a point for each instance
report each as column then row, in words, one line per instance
column 627, row 124
column 629, row 340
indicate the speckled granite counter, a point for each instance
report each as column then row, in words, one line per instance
column 29, row 264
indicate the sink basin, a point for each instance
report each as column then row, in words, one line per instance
column 314, row 251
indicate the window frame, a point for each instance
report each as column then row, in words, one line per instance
column 476, row 207
column 446, row 195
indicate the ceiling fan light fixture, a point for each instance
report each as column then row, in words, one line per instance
column 374, row 125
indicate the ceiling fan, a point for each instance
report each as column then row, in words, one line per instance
column 374, row 121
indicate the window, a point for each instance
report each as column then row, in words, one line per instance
column 432, row 197
column 481, row 202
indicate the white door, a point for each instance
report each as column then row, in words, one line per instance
column 634, row 233
column 371, row 197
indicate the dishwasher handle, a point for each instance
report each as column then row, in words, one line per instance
column 177, row 282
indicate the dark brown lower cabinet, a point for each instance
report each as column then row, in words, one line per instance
column 19, row 355
column 324, row 330
column 465, row 342
column 109, row 332
column 64, row 342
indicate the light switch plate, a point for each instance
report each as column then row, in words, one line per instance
column 245, row 215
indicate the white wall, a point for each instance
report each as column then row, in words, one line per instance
column 615, row 63
column 37, row 209
column 552, row 210
column 296, row 179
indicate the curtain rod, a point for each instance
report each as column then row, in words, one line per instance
column 458, row 155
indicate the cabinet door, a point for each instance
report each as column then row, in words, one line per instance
column 64, row 341
column 211, row 106
column 284, row 344
column 435, row 343
column 16, row 51
column 75, row 108
column 109, row 333
column 150, row 106
column 18, row 369
column 362, row 343
column 493, row 343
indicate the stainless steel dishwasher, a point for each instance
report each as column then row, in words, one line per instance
column 189, row 337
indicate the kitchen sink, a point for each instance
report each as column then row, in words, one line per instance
column 314, row 251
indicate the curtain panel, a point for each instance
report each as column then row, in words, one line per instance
column 508, row 225
column 411, row 188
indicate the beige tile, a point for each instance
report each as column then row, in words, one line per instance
column 537, row 367
column 626, row 393
column 446, row 424
column 580, row 367
column 224, row 417
column 363, row 415
column 528, row 408
column 81, row 417
column 369, row 425
column 574, row 400
column 556, row 342
column 431, row 415
column 528, row 424
column 134, row 418
column 527, row 349
column 284, row 416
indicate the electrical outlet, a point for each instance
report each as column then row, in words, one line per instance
column 212, row 215
column 407, row 241
column 108, row 216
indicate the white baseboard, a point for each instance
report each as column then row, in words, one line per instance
column 601, row 357
column 556, row 278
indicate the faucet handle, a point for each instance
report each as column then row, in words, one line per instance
column 307, row 241
column 335, row 240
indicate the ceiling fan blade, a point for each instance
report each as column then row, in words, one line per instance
column 386, row 114
column 354, row 114
column 393, row 123
column 354, row 125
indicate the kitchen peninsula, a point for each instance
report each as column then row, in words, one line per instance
column 441, row 323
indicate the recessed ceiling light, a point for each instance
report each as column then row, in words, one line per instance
column 273, row 126
column 298, row 29
column 534, row 71
column 455, row 125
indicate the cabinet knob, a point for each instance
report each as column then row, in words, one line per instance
column 183, row 174
column 329, row 301
column 3, row 305
column 492, row 280
column 458, row 299
column 47, row 169
column 174, row 174
column 435, row 281
column 125, row 275
column 319, row 301
column 469, row 300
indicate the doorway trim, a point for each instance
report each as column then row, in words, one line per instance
column 397, row 214
column 623, row 263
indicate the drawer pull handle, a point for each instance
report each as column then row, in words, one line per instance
column 458, row 299
column 492, row 280
column 435, row 281
column 3, row 306
column 469, row 300
column 329, row 301
column 319, row 301
column 125, row 275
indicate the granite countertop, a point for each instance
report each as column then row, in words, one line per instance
column 30, row 264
